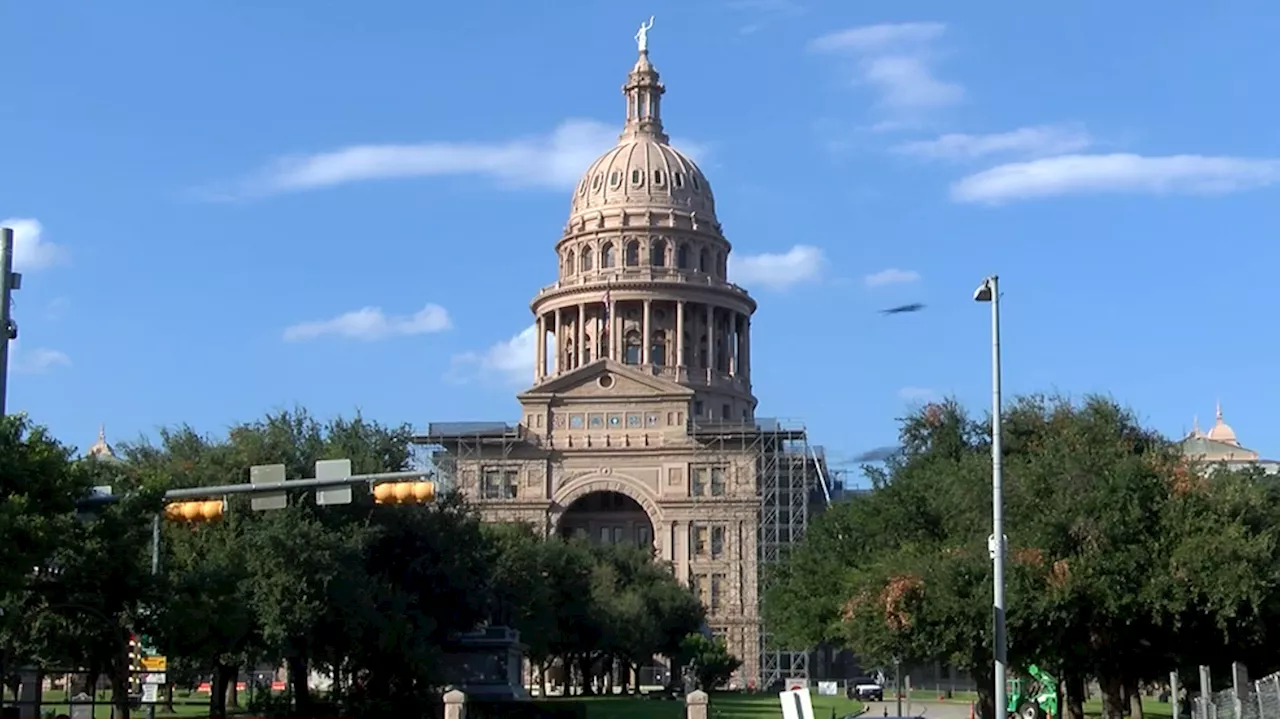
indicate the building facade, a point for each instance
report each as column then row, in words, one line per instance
column 640, row 424
column 1220, row 446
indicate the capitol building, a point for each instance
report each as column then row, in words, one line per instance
column 640, row 426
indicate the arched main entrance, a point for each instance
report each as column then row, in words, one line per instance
column 606, row 517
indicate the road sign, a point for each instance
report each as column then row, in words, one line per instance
column 333, row 469
column 796, row 704
column 150, row 693
column 155, row 664
column 268, row 474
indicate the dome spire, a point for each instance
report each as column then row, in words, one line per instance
column 644, row 94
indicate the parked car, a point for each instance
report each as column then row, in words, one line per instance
column 866, row 689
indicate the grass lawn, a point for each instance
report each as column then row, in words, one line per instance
column 722, row 706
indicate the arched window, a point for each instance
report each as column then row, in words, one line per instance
column 704, row 260
column 721, row 265
column 658, row 253
column 568, row 263
column 607, row 258
column 568, row 354
column 682, row 256
column 722, row 357
column 632, row 258
column 658, row 352
column 586, row 259
column 587, row 342
column 702, row 352
column 687, row 359
column 631, row 353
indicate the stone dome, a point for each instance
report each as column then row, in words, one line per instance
column 644, row 169
column 1221, row 431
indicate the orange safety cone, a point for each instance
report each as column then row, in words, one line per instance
column 971, row 714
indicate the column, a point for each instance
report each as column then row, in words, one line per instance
column 746, row 346
column 679, row 360
column 615, row 323
column 711, row 341
column 731, row 343
column 646, row 335
column 559, row 343
column 582, row 321
column 540, row 362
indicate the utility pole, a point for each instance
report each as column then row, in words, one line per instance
column 9, row 281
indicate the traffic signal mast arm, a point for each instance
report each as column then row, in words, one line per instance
column 190, row 493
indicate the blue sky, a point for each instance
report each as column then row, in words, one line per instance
column 200, row 188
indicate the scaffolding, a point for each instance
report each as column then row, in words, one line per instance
column 791, row 485
column 455, row 451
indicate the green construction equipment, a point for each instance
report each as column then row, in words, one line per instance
column 1036, row 698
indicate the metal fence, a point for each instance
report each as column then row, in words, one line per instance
column 1256, row 700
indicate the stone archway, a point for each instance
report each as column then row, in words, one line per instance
column 607, row 509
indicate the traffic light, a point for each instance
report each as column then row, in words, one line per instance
column 404, row 492
column 198, row 511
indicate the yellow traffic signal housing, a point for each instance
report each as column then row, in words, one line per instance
column 404, row 492
column 198, row 511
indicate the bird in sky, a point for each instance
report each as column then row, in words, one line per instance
column 913, row 307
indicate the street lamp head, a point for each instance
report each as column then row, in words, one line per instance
column 984, row 291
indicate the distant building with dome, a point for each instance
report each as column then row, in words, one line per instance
column 100, row 449
column 640, row 425
column 1219, row 445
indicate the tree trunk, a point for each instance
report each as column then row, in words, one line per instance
column 985, row 707
column 168, row 698
column 218, row 691
column 1134, row 690
column 233, row 689
column 584, row 667
column 1112, row 697
column 120, row 685
column 1074, row 705
column 298, row 683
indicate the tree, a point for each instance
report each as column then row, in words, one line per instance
column 38, row 490
column 709, row 659
column 1104, row 520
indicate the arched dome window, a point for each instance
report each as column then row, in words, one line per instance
column 704, row 260
column 607, row 256
column 721, row 264
column 568, row 263
column 702, row 353
column 658, row 352
column 587, row 343
column 682, row 256
column 586, row 259
column 631, row 352
column 686, row 360
column 632, row 258
column 658, row 253
column 568, row 355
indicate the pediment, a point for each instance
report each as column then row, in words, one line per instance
column 606, row 379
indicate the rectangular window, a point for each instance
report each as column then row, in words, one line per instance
column 619, row 535
column 491, row 487
column 701, row 541
column 644, row 537
column 510, row 484
column 702, row 584
column 724, row 411
column 697, row 408
column 717, row 542
column 698, row 482
column 717, row 481
column 605, row 535
column 717, row 592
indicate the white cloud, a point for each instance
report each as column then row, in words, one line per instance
column 509, row 361
column 917, row 394
column 763, row 12
column 1116, row 174
column 891, row 276
column 802, row 263
column 1039, row 141
column 897, row 60
column 553, row 161
column 31, row 251
column 38, row 360
column 369, row 323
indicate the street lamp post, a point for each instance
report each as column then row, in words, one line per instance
column 989, row 291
